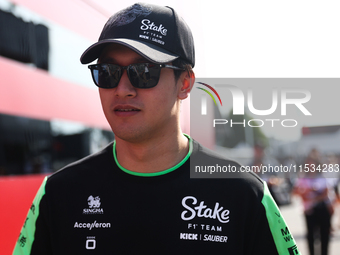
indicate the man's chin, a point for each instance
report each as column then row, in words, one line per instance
column 131, row 135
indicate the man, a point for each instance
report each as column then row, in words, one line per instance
column 136, row 196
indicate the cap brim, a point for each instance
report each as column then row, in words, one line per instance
column 149, row 51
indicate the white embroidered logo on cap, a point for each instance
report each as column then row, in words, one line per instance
column 148, row 25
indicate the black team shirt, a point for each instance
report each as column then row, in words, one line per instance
column 95, row 206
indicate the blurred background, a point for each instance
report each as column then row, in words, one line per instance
column 50, row 113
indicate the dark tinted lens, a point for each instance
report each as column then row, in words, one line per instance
column 106, row 75
column 144, row 76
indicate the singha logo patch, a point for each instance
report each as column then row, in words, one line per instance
column 94, row 202
column 94, row 206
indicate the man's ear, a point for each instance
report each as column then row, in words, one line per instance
column 186, row 81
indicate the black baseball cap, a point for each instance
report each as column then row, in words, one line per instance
column 155, row 32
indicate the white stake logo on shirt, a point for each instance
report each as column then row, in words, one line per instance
column 203, row 211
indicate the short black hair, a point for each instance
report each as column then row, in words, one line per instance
column 181, row 64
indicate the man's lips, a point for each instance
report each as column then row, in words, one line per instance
column 126, row 110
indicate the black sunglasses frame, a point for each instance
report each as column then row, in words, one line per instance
column 130, row 68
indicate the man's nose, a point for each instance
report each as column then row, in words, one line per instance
column 125, row 88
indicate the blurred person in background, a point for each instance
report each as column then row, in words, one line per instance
column 313, row 188
column 333, row 178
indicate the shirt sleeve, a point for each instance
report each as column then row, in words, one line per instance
column 27, row 235
column 283, row 239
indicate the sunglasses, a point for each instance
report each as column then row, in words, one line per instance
column 141, row 75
